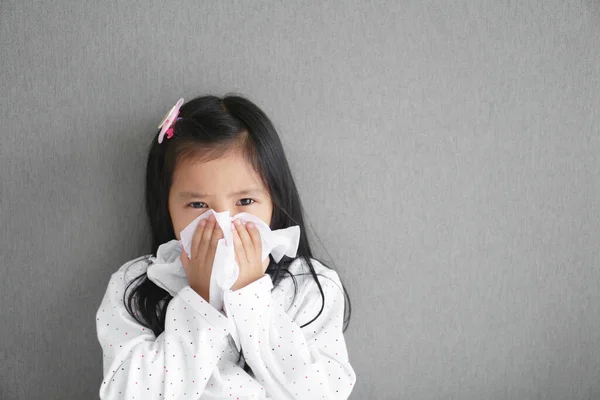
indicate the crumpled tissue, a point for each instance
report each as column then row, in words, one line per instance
column 225, row 269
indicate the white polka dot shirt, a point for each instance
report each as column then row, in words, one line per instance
column 196, row 355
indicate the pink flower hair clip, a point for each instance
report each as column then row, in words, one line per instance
column 168, row 121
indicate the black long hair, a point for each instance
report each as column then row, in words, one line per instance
column 209, row 125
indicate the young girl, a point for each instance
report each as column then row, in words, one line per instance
column 160, row 336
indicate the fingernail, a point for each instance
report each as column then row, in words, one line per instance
column 202, row 222
column 237, row 222
column 249, row 225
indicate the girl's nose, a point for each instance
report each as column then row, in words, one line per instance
column 223, row 209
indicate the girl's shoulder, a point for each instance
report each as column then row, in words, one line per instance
column 132, row 269
column 300, row 291
column 119, row 282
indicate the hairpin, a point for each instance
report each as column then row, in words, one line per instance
column 168, row 121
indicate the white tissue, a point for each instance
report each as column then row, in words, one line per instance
column 225, row 270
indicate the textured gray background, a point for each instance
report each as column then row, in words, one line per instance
column 447, row 154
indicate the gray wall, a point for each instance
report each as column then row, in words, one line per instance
column 447, row 154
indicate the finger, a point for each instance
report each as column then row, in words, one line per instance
column 208, row 231
column 246, row 241
column 212, row 247
column 255, row 236
column 198, row 237
column 238, row 246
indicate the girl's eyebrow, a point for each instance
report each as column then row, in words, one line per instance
column 190, row 194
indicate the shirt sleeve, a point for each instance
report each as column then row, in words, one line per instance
column 289, row 361
column 175, row 365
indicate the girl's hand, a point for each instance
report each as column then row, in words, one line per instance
column 248, row 253
column 204, row 245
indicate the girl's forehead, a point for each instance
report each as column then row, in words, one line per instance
column 230, row 171
column 230, row 161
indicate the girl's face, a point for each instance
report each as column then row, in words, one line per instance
column 228, row 183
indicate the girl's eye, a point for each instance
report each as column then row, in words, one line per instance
column 248, row 203
column 197, row 202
